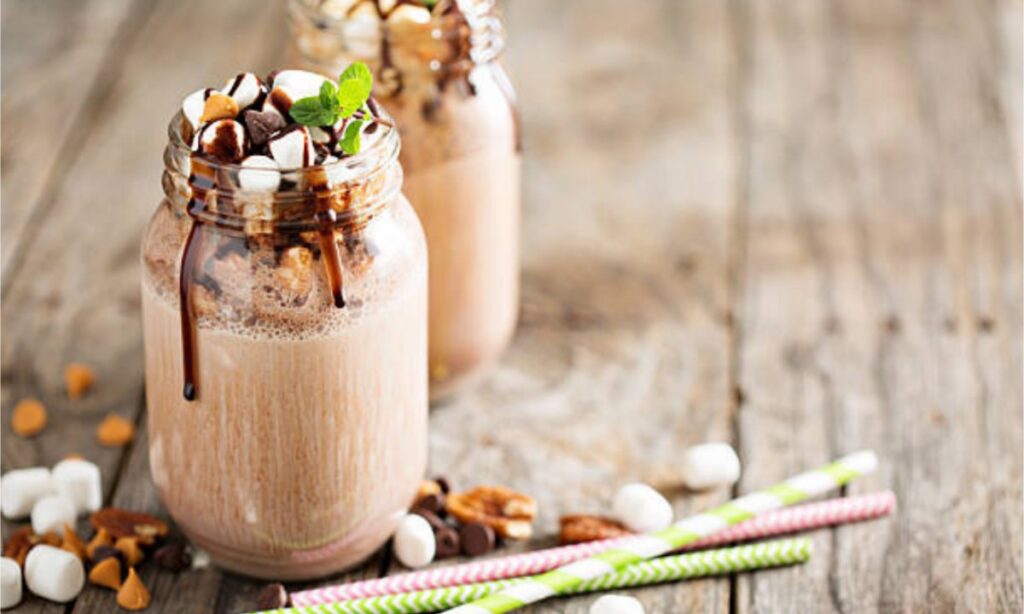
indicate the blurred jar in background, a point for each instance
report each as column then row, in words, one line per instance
column 436, row 70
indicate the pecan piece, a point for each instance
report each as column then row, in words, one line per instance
column 579, row 528
column 506, row 511
column 122, row 523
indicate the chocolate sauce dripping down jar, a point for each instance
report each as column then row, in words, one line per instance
column 285, row 348
column 439, row 73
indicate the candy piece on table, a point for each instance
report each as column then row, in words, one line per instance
column 129, row 548
column 244, row 88
column 21, row 488
column 710, row 464
column 446, row 543
column 51, row 513
column 133, row 594
column 641, row 508
column 72, row 543
column 107, row 573
column 173, row 556
column 80, row 481
column 28, row 418
column 476, row 538
column 54, row 574
column 292, row 148
column 616, row 604
column 78, row 379
column 414, row 542
column 102, row 540
column 259, row 174
column 192, row 106
column 272, row 597
column 10, row 583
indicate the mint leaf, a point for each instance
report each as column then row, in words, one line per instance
column 328, row 95
column 310, row 112
column 352, row 95
column 350, row 142
column 358, row 71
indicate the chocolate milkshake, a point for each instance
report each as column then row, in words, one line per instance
column 439, row 76
column 284, row 303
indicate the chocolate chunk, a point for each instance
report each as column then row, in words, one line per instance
column 433, row 503
column 432, row 519
column 447, row 543
column 476, row 538
column 173, row 557
column 262, row 124
column 443, row 482
column 272, row 596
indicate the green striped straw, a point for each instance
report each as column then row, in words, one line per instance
column 567, row 578
column 680, row 567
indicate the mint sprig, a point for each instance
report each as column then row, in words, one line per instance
column 339, row 101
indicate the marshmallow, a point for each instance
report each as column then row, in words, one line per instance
column 414, row 541
column 244, row 88
column 336, row 9
column 338, row 173
column 710, row 464
column 80, row 481
column 192, row 107
column 10, row 583
column 361, row 30
column 641, row 508
column 291, row 85
column 259, row 174
column 408, row 14
column 54, row 574
column 616, row 604
column 21, row 488
column 223, row 139
column 293, row 148
column 51, row 513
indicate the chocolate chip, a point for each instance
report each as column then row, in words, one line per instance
column 272, row 596
column 262, row 124
column 105, row 552
column 447, row 543
column 433, row 503
column 477, row 539
column 432, row 519
column 173, row 557
column 443, row 482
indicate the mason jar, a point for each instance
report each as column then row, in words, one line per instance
column 285, row 350
column 438, row 73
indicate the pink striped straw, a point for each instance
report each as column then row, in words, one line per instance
column 789, row 520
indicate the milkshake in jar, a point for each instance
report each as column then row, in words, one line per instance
column 438, row 74
column 284, row 300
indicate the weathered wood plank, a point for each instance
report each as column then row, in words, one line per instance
column 55, row 64
column 883, row 226
column 620, row 359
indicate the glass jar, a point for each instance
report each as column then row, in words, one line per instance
column 438, row 74
column 287, row 402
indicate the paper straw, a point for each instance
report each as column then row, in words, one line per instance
column 680, row 567
column 799, row 518
column 567, row 578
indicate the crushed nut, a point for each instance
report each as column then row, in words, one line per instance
column 115, row 431
column 18, row 544
column 78, row 379
column 29, row 417
column 506, row 511
column 133, row 594
column 219, row 106
column 120, row 523
column 578, row 528
column 295, row 272
column 107, row 573
column 129, row 547
column 50, row 539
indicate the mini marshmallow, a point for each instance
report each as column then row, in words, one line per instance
column 259, row 174
column 295, row 84
column 336, row 9
column 192, row 107
column 54, row 574
column 710, row 464
column 293, row 148
column 616, row 604
column 361, row 30
column 10, row 583
column 409, row 14
column 223, row 139
column 244, row 88
column 51, row 513
column 338, row 173
column 80, row 481
column 414, row 541
column 21, row 488
column 641, row 508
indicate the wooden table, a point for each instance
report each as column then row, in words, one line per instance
column 793, row 226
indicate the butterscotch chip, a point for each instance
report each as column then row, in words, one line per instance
column 73, row 456
column 122, row 523
column 78, row 379
column 115, row 431
column 428, row 487
column 29, row 417
column 73, row 544
column 579, row 528
column 219, row 106
column 133, row 594
column 19, row 543
column 107, row 573
column 50, row 539
column 102, row 538
column 129, row 547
